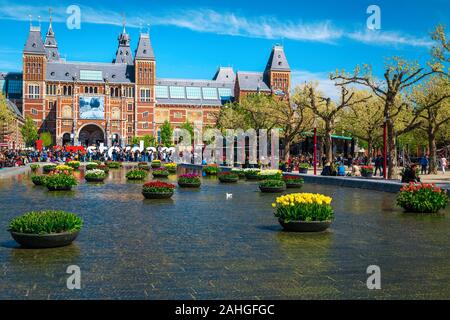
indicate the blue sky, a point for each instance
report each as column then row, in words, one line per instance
column 192, row 38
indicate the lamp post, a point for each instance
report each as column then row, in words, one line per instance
column 385, row 148
column 315, row 147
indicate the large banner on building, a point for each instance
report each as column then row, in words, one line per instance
column 92, row 108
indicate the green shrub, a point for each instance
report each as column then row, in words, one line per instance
column 239, row 172
column 114, row 165
column 272, row 184
column 136, row 174
column 60, row 181
column 46, row 222
column 39, row 180
column 227, row 176
column 48, row 168
column 74, row 164
column 422, row 198
column 211, row 169
column 91, row 166
column 34, row 167
column 251, row 173
column 156, row 163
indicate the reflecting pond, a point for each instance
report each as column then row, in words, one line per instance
column 200, row 245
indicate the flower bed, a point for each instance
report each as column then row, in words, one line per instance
column 251, row 173
column 367, row 171
column 304, row 211
column 293, row 181
column 189, row 181
column 39, row 180
column 48, row 168
column 270, row 175
column 228, row 177
column 58, row 180
column 143, row 166
column 272, row 186
column 103, row 167
column 156, row 163
column 422, row 198
column 74, row 164
column 95, row 175
column 303, row 168
column 114, row 164
column 63, row 167
column 136, row 174
column 91, row 165
column 211, row 169
column 45, row 229
column 160, row 172
column 157, row 190
column 171, row 167
column 239, row 172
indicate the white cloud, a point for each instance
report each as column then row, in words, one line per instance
column 227, row 23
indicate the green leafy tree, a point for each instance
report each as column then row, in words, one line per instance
column 29, row 131
column 148, row 139
column 166, row 134
column 46, row 138
column 6, row 116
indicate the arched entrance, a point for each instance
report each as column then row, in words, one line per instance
column 66, row 139
column 91, row 134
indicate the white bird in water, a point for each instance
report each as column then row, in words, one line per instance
column 229, row 195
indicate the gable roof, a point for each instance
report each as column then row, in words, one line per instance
column 34, row 42
column 144, row 49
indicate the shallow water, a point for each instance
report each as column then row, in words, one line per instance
column 199, row 245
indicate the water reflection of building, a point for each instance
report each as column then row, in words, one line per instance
column 136, row 102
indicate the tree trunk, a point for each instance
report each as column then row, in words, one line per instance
column 391, row 150
column 432, row 146
column 369, row 148
column 286, row 149
column 328, row 144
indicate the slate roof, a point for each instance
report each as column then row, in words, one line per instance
column 252, row 81
column 225, row 74
column 277, row 60
column 34, row 42
column 144, row 49
column 12, row 106
column 123, row 53
column 112, row 72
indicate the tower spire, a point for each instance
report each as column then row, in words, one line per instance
column 124, row 21
column 50, row 14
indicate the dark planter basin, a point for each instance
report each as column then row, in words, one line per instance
column 305, row 226
column 228, row 180
column 156, row 166
column 272, row 189
column 157, row 195
column 59, row 188
column 370, row 175
column 91, row 179
column 172, row 170
column 160, row 175
column 252, row 177
column 44, row 240
column 294, row 185
column 189, row 185
column 303, row 170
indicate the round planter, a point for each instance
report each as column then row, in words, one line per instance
column 294, row 185
column 94, row 179
column 154, row 166
column 158, row 175
column 229, row 180
column 303, row 170
column 172, row 170
column 252, row 177
column 271, row 189
column 38, row 182
column 305, row 226
column 369, row 175
column 61, row 188
column 44, row 240
column 157, row 195
column 189, row 185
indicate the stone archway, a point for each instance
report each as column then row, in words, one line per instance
column 91, row 134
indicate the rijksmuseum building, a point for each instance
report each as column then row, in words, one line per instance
column 86, row 103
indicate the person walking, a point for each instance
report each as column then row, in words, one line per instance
column 424, row 164
column 443, row 164
column 379, row 165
